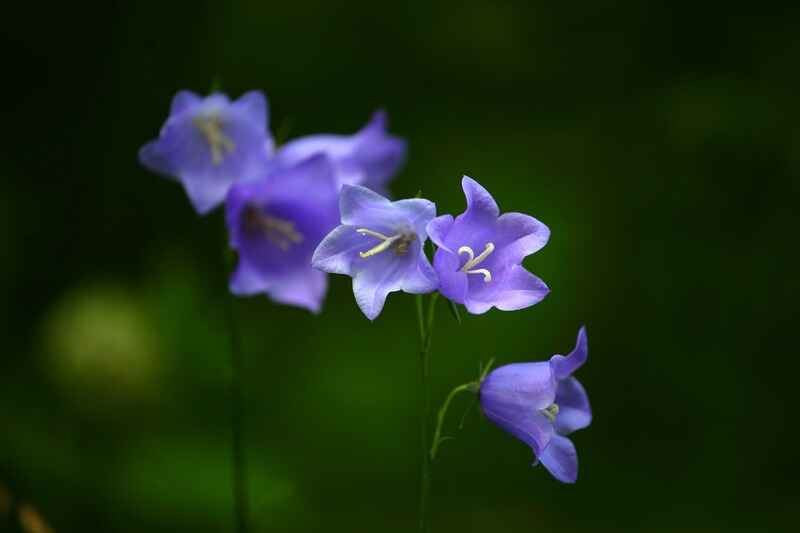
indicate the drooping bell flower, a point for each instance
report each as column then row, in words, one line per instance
column 380, row 245
column 209, row 143
column 480, row 253
column 370, row 157
column 541, row 404
column 275, row 223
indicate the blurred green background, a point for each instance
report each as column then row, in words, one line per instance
column 658, row 141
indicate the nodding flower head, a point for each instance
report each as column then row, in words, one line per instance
column 380, row 245
column 209, row 143
column 480, row 253
column 275, row 223
column 369, row 157
column 540, row 404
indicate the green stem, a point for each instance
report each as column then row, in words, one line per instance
column 426, row 337
column 421, row 319
column 437, row 435
column 473, row 387
column 239, row 471
column 237, row 425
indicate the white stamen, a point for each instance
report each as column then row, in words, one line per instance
column 487, row 276
column 364, row 231
column 399, row 241
column 475, row 261
column 386, row 242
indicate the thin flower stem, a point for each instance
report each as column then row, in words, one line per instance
column 239, row 470
column 237, row 425
column 426, row 337
column 437, row 435
column 473, row 387
column 421, row 319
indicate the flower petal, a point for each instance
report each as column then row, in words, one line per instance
column 364, row 208
column 437, row 230
column 419, row 212
column 304, row 288
column 374, row 278
column 561, row 459
column 453, row 284
column 369, row 157
column 206, row 192
column 378, row 154
column 184, row 100
column 563, row 367
column 521, row 236
column 531, row 427
column 421, row 278
column 358, row 205
column 153, row 158
column 530, row 383
column 480, row 204
column 253, row 106
column 311, row 182
column 338, row 249
column 247, row 281
column 337, row 147
column 574, row 412
column 512, row 397
column 520, row 289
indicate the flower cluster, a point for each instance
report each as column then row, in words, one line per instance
column 318, row 205
column 380, row 244
column 280, row 202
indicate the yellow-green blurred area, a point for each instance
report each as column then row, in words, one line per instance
column 658, row 141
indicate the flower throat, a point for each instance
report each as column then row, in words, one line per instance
column 282, row 233
column 211, row 128
column 398, row 242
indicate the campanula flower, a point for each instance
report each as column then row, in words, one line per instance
column 370, row 157
column 209, row 143
column 275, row 223
column 480, row 253
column 380, row 245
column 540, row 404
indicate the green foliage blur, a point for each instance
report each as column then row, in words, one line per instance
column 658, row 141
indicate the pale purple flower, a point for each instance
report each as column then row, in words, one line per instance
column 275, row 223
column 540, row 404
column 370, row 157
column 380, row 245
column 209, row 143
column 480, row 253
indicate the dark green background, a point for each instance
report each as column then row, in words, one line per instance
column 658, row 142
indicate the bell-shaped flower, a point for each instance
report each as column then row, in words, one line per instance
column 275, row 223
column 209, row 143
column 480, row 253
column 380, row 244
column 370, row 157
column 540, row 404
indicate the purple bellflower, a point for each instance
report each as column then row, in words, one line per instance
column 370, row 157
column 480, row 253
column 540, row 404
column 275, row 223
column 380, row 245
column 209, row 143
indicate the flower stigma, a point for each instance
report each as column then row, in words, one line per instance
column 475, row 261
column 211, row 126
column 280, row 232
column 400, row 242
column 550, row 412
